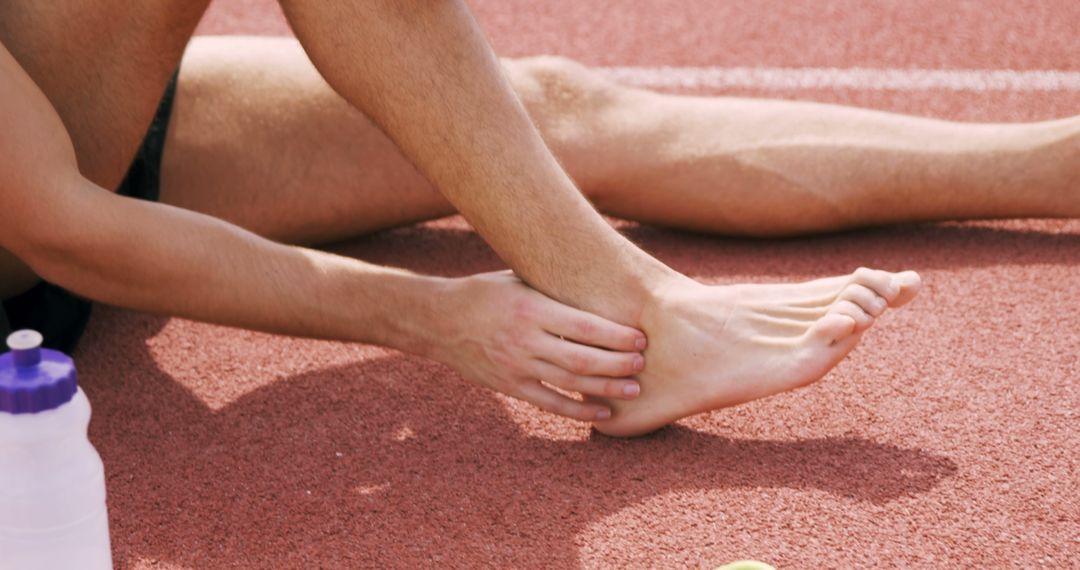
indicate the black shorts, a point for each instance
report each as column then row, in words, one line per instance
column 59, row 315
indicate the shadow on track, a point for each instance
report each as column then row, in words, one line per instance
column 396, row 462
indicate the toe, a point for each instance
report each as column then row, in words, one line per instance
column 862, row 319
column 881, row 282
column 865, row 298
column 910, row 284
column 833, row 327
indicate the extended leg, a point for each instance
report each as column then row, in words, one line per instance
column 765, row 167
column 258, row 138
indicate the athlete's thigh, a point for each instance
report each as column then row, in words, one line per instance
column 258, row 138
column 104, row 65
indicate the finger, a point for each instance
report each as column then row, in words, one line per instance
column 588, row 361
column 619, row 388
column 551, row 401
column 587, row 328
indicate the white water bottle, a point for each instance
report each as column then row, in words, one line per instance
column 52, row 482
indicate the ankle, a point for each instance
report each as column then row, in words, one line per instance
column 1053, row 164
column 663, row 296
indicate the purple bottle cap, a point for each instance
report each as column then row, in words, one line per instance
column 34, row 379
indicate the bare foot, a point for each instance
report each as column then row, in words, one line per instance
column 714, row 347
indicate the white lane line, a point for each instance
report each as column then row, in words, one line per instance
column 847, row 78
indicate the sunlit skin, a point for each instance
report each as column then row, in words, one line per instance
column 266, row 148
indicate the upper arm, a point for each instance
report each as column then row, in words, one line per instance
column 37, row 159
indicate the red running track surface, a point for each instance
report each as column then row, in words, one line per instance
column 949, row 438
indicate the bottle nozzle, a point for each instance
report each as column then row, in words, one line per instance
column 25, row 348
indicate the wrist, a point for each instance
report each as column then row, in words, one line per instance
column 434, row 337
column 412, row 318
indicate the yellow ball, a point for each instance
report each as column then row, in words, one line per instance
column 746, row 565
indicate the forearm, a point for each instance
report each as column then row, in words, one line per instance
column 167, row 260
column 161, row 259
column 423, row 71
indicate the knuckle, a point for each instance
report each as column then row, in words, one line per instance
column 578, row 363
column 613, row 389
column 585, row 329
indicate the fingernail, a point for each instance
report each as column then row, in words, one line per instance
column 631, row 389
column 641, row 343
column 603, row 414
column 639, row 363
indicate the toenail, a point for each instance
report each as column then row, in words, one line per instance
column 641, row 343
column 639, row 363
column 631, row 390
column 603, row 414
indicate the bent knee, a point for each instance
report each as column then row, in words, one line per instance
column 554, row 88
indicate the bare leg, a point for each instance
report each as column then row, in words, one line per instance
column 258, row 138
column 768, row 168
column 109, row 249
